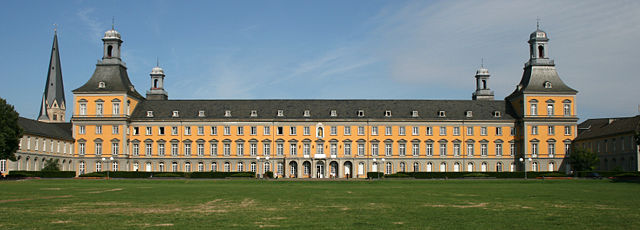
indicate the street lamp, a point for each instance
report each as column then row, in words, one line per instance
column 109, row 165
column 384, row 166
column 258, row 166
column 267, row 160
column 377, row 170
column 525, row 166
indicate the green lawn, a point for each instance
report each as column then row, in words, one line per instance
column 253, row 204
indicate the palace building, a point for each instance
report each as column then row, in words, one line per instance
column 116, row 128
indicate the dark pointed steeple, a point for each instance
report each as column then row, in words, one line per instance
column 53, row 102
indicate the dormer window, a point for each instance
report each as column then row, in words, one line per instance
column 176, row 114
column 387, row 113
column 469, row 113
column 547, row 85
column 307, row 113
column 334, row 113
column 227, row 113
column 441, row 113
column 149, row 113
column 414, row 113
column 254, row 113
column 360, row 113
column 201, row 113
column 101, row 85
column 280, row 113
column 497, row 114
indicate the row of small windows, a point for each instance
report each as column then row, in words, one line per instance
column 333, row 113
column 115, row 107
column 612, row 145
column 414, row 148
column 319, row 130
column 54, row 146
column 551, row 130
column 566, row 107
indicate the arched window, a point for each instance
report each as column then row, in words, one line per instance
column 534, row 166
column 389, row 168
column 540, row 51
column 227, row 167
column 484, row 84
column 483, row 167
column 470, row 167
column 443, row 167
column 551, row 167
column 240, row 167
column 214, row 166
column 174, row 166
column 402, row 167
column 155, row 83
column 187, row 167
column 456, row 167
column 416, row 167
column 109, row 50
column 429, row 167
column 498, row 167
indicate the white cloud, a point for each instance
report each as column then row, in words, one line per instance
column 95, row 28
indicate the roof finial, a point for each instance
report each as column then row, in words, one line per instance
column 113, row 22
column 157, row 62
column 537, row 23
column 482, row 63
column 55, row 28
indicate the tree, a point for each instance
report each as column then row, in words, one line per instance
column 10, row 132
column 51, row 165
column 583, row 160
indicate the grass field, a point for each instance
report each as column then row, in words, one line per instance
column 254, row 204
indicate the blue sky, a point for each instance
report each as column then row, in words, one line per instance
column 327, row 49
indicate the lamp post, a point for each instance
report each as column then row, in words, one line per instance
column 109, row 165
column 258, row 167
column 384, row 166
column 267, row 160
column 525, row 166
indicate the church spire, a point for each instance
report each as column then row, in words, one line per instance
column 53, row 104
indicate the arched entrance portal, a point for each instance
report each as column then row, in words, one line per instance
column 348, row 169
column 334, row 169
column 320, row 169
column 293, row 169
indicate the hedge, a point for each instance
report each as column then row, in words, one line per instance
column 42, row 174
column 604, row 173
column 374, row 175
column 430, row 175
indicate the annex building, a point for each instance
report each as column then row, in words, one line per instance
column 116, row 128
column 614, row 140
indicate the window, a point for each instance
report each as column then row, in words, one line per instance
column 513, row 131
column 253, row 166
column 279, row 149
column 148, row 149
column 566, row 108
column 567, row 148
column 200, row 130
column 136, row 130
column 361, row 130
column 387, row 113
column 213, row 147
column 266, row 148
column 498, row 149
column 187, row 130
column 456, row 131
column 83, row 109
column 533, row 109
column 534, row 166
column 214, row 130
column 470, row 149
column 81, row 130
column 443, row 131
column 534, row 149
column 443, row 149
column 115, row 147
column 98, row 148
column 469, row 131
column 226, row 148
column 227, row 113
column 456, row 150
column 267, row 130
column 567, row 130
column 187, row 167
column 306, row 131
column 429, row 131
column 415, row 151
column 360, row 149
column 174, row 166
column 334, row 113
column 98, row 129
column 388, row 131
column 136, row 149
column 175, row 114
column 549, row 109
column 254, row 113
column 347, row 130
column 402, row 130
column 347, row 149
column 98, row 166
column 414, row 113
column 99, row 109
column 441, row 113
column 200, row 149
column 483, row 131
column 174, row 130
column 498, row 131
column 148, row 130
column 187, row 149
column 483, row 150
column 81, row 148
column 415, row 130
column 551, row 149
column 240, row 149
column 280, row 130
column 512, row 149
column 227, row 130
column 201, row 113
column 551, row 130
column 360, row 113
column 149, row 113
column 240, row 130
column 497, row 114
column 306, row 113
column 388, row 150
column 240, row 167
column 116, row 108
column 374, row 149
column 429, row 149
column 374, row 130
column 280, row 113
column 469, row 113
column 402, row 149
column 334, row 130
column 388, row 169
column 161, row 150
column 293, row 149
column 334, row 150
column 319, row 148
column 534, row 130
column 292, row 130
column 306, row 149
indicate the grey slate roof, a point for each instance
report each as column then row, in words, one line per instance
column 115, row 78
column 534, row 77
column 602, row 127
column 50, row 130
column 54, row 89
column 321, row 109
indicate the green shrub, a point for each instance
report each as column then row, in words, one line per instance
column 243, row 174
column 475, row 175
column 628, row 174
column 554, row 174
column 169, row 174
column 374, row 175
column 397, row 175
column 42, row 174
column 268, row 174
column 94, row 174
